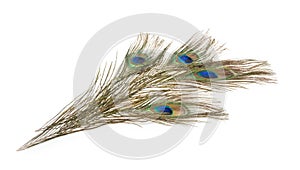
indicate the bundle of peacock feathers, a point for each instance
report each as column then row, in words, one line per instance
column 152, row 85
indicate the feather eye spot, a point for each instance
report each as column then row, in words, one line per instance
column 185, row 59
column 207, row 74
column 169, row 109
column 163, row 109
column 138, row 60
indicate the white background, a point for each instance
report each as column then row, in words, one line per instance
column 40, row 43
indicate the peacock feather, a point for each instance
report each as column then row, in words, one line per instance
column 152, row 85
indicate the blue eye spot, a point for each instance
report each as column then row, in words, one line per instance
column 207, row 74
column 164, row 110
column 185, row 59
column 138, row 60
